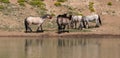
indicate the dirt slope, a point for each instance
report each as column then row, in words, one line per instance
column 12, row 20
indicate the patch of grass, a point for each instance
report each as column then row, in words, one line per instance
column 57, row 4
column 1, row 7
column 37, row 3
column 69, row 7
column 84, row 30
column 21, row 2
column 52, row 14
column 4, row 1
column 40, row 5
column 109, row 3
column 61, row 0
column 91, row 8
column 41, row 11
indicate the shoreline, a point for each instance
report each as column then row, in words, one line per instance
column 63, row 35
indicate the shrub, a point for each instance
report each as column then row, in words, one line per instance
column 37, row 3
column 61, row 0
column 52, row 14
column 91, row 7
column 40, row 5
column 1, row 7
column 21, row 2
column 4, row 1
column 109, row 3
column 57, row 4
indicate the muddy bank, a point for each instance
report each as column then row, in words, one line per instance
column 63, row 35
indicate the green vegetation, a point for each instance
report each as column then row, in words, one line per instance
column 1, row 7
column 109, row 3
column 4, row 1
column 21, row 2
column 91, row 8
column 72, row 10
column 84, row 30
column 52, row 14
column 37, row 3
column 61, row 0
column 40, row 5
column 57, row 4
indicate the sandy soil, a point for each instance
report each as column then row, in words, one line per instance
column 110, row 24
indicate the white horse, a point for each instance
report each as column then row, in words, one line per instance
column 91, row 18
column 35, row 21
column 77, row 22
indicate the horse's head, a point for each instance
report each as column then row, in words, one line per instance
column 47, row 16
column 50, row 17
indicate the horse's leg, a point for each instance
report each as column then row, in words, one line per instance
column 38, row 29
column 26, row 26
column 97, row 23
column 71, row 24
column 80, row 26
column 63, row 29
column 29, row 28
column 68, row 27
column 41, row 27
column 59, row 28
column 87, row 24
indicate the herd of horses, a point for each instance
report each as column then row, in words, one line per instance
column 64, row 22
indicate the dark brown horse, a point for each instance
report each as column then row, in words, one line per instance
column 63, row 21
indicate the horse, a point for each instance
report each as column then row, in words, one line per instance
column 92, row 18
column 63, row 21
column 35, row 21
column 77, row 22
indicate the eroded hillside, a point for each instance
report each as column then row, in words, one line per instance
column 13, row 12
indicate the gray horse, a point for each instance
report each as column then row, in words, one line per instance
column 92, row 18
column 35, row 21
column 77, row 22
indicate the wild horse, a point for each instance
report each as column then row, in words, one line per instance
column 35, row 21
column 77, row 22
column 63, row 21
column 92, row 18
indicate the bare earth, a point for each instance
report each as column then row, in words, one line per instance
column 110, row 23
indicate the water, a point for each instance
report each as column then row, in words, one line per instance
column 36, row 47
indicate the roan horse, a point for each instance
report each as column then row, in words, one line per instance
column 91, row 18
column 77, row 22
column 62, row 22
column 35, row 21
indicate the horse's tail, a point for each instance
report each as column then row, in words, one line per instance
column 99, row 20
column 26, row 24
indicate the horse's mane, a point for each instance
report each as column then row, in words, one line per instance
column 65, row 16
column 62, row 15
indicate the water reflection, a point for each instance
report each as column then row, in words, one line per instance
column 58, row 48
